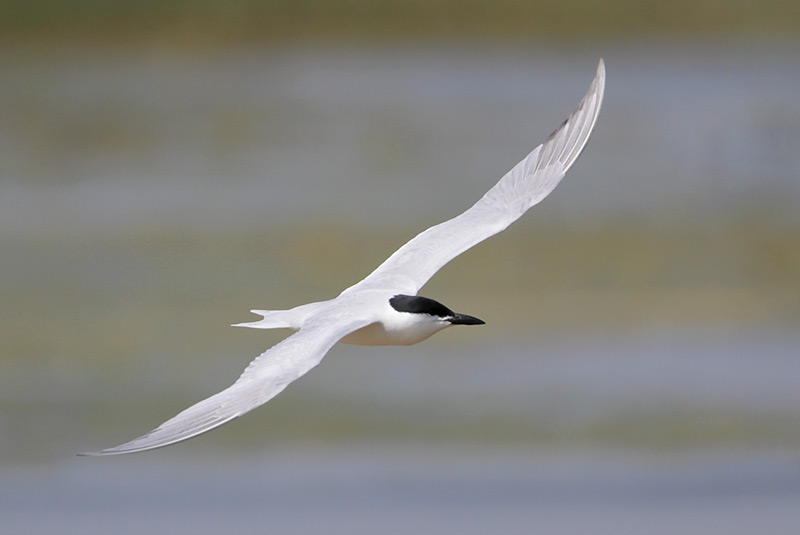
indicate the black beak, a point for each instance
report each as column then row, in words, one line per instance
column 463, row 319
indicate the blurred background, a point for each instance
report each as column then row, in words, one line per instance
column 167, row 166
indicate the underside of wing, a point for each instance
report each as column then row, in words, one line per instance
column 264, row 378
column 525, row 185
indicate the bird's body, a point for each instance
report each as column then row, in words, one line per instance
column 397, row 320
column 394, row 328
column 384, row 308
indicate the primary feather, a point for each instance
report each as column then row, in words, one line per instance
column 264, row 378
column 525, row 185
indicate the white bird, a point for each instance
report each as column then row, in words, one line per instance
column 384, row 308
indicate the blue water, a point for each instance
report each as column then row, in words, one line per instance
column 394, row 490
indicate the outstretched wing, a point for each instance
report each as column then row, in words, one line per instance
column 530, row 181
column 264, row 378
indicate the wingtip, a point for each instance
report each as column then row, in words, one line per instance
column 601, row 77
column 601, row 74
column 101, row 453
column 119, row 450
column 104, row 453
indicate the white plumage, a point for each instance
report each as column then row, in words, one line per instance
column 369, row 312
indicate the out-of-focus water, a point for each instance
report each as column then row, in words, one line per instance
column 107, row 139
column 132, row 184
column 386, row 489
column 662, row 433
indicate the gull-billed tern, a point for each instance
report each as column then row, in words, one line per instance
column 384, row 308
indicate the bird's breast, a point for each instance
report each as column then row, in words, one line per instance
column 373, row 334
column 392, row 333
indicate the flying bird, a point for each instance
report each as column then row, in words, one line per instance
column 384, row 308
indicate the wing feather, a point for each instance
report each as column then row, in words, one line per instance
column 525, row 185
column 264, row 378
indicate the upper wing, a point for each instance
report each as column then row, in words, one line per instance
column 264, row 378
column 530, row 181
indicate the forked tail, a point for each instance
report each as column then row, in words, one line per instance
column 272, row 319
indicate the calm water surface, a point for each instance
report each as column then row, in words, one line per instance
column 385, row 489
column 121, row 139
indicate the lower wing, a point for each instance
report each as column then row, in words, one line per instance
column 263, row 379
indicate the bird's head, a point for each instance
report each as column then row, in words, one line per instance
column 432, row 310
